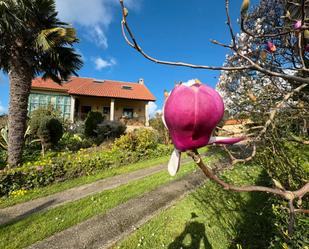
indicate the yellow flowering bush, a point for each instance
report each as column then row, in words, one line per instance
column 61, row 166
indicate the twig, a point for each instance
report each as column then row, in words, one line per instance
column 287, row 195
column 229, row 23
column 278, row 106
column 291, row 218
column 134, row 44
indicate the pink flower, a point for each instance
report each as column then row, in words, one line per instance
column 271, row 47
column 39, row 168
column 297, row 24
column 191, row 114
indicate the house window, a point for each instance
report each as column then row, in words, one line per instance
column 128, row 112
column 127, row 87
column 59, row 102
column 106, row 110
column 85, row 109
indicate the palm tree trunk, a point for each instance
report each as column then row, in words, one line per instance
column 20, row 85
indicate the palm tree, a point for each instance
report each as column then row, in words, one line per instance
column 32, row 42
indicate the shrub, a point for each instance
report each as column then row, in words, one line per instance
column 110, row 130
column 45, row 125
column 78, row 127
column 287, row 163
column 141, row 143
column 55, row 129
column 75, row 142
column 280, row 238
column 92, row 120
column 3, row 121
column 62, row 166
column 158, row 125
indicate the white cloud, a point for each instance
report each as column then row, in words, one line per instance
column 99, row 37
column 153, row 109
column 93, row 15
column 100, row 63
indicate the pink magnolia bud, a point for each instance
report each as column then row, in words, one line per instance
column 297, row 24
column 271, row 47
column 191, row 114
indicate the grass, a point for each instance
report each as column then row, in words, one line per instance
column 43, row 224
column 211, row 218
column 61, row 186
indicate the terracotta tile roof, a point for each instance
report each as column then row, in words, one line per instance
column 237, row 121
column 98, row 88
column 39, row 83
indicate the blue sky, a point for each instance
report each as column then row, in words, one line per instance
column 167, row 29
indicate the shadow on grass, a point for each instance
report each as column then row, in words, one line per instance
column 196, row 231
column 246, row 218
column 7, row 221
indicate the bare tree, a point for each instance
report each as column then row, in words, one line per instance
column 278, row 52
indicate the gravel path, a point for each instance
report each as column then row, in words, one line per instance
column 20, row 211
column 104, row 230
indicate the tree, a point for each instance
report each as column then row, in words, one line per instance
column 278, row 49
column 252, row 94
column 33, row 42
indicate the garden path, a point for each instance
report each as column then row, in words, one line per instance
column 22, row 210
column 103, row 231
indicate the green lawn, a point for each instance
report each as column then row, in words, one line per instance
column 58, row 187
column 211, row 218
column 43, row 224
column 61, row 186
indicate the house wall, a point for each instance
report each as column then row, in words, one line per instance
column 63, row 102
column 137, row 106
column 237, row 128
column 97, row 104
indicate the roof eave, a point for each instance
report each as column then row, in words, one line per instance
column 49, row 89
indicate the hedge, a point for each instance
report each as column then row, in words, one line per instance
column 68, row 165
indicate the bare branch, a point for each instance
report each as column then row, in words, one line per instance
column 277, row 108
column 134, row 44
column 229, row 23
column 287, row 195
column 291, row 218
column 300, row 210
column 253, row 65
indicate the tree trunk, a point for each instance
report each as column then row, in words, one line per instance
column 20, row 84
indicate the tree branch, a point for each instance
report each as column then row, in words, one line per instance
column 287, row 195
column 134, row 44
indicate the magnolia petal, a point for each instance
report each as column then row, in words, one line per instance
column 225, row 140
column 163, row 119
column 174, row 162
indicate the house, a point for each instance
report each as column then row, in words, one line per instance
column 76, row 97
column 235, row 126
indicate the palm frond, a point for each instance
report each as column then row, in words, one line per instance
column 32, row 28
column 49, row 38
column 67, row 62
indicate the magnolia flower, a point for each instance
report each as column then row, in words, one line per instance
column 191, row 113
column 271, row 47
column 297, row 24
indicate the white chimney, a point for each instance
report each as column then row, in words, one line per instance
column 141, row 81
